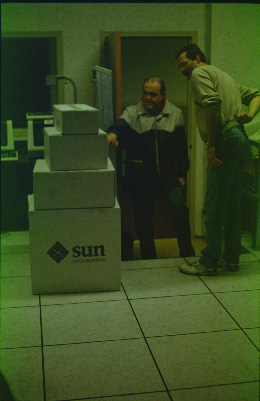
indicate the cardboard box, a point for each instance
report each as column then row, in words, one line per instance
column 73, row 189
column 75, row 152
column 75, row 119
column 75, row 250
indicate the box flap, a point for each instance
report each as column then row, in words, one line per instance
column 52, row 131
column 74, row 107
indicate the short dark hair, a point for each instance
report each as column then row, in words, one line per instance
column 161, row 82
column 192, row 51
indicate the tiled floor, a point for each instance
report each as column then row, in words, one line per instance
column 164, row 336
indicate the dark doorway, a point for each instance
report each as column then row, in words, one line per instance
column 25, row 63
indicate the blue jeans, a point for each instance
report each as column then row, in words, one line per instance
column 222, row 206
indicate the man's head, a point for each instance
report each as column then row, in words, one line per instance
column 154, row 94
column 190, row 57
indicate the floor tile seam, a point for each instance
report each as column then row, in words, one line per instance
column 143, row 336
column 150, row 268
column 218, row 300
column 149, row 348
column 95, row 342
column 85, row 302
column 28, row 275
column 214, row 293
column 154, row 260
column 23, row 306
column 117, row 395
column 128, row 339
column 14, row 276
column 19, row 307
column 169, row 296
column 217, row 295
column 130, row 298
column 25, row 347
column 147, row 268
column 240, row 262
column 42, row 353
column 189, row 295
column 125, row 300
column 251, row 328
column 215, row 385
column 235, row 291
column 193, row 333
column 129, row 269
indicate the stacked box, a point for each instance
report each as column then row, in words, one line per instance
column 75, row 119
column 74, row 217
column 75, row 152
column 73, row 189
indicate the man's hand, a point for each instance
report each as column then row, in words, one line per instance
column 243, row 118
column 211, row 156
column 183, row 184
column 253, row 108
column 112, row 138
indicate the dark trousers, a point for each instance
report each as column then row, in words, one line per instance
column 143, row 203
column 222, row 206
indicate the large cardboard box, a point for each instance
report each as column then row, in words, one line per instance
column 75, row 152
column 73, row 189
column 75, row 119
column 75, row 250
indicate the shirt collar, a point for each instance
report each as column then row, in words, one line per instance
column 141, row 111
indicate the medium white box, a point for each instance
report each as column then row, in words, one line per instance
column 73, row 189
column 75, row 152
column 75, row 250
column 76, row 119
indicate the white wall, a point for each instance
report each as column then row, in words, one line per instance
column 71, row 20
column 81, row 25
column 235, row 44
column 233, row 36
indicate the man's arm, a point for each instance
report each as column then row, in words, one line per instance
column 205, row 94
column 118, row 132
column 253, row 108
column 212, row 117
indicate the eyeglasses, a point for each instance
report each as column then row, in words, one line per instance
column 151, row 94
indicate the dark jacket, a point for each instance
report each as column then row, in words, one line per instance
column 156, row 145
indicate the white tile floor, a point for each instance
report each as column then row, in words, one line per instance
column 164, row 336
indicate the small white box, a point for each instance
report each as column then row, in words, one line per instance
column 75, row 250
column 73, row 189
column 75, row 152
column 75, row 119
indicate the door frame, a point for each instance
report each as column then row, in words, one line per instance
column 193, row 192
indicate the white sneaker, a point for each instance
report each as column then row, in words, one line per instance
column 196, row 269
